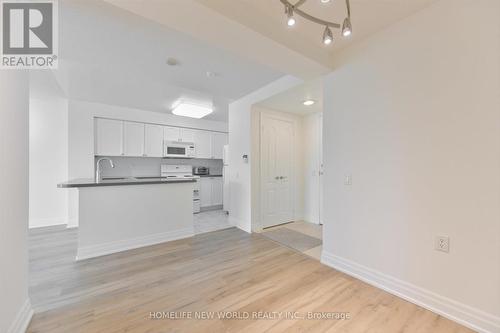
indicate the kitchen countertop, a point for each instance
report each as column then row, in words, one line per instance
column 90, row 182
column 209, row 176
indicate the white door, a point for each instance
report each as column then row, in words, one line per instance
column 205, row 192
column 203, row 146
column 133, row 139
column 219, row 140
column 187, row 135
column 108, row 137
column 276, row 171
column 153, row 140
column 217, row 190
column 171, row 133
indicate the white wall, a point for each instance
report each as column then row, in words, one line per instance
column 311, row 125
column 15, row 309
column 48, row 165
column 298, row 163
column 240, row 137
column 81, row 137
column 413, row 114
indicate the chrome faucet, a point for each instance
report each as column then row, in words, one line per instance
column 98, row 176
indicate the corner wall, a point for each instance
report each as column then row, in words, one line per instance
column 413, row 114
column 15, row 308
column 48, row 165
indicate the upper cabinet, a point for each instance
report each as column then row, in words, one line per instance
column 129, row 138
column 172, row 133
column 108, row 137
column 133, row 139
column 219, row 140
column 187, row 135
column 202, row 143
column 153, row 140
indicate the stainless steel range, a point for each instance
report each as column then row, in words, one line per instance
column 184, row 172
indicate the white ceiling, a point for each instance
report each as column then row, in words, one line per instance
column 256, row 30
column 268, row 18
column 111, row 56
column 115, row 51
column 292, row 100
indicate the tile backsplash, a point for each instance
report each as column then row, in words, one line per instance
column 150, row 166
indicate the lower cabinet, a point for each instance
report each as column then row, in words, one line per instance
column 211, row 189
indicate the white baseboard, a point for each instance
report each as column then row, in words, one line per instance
column 72, row 223
column 40, row 223
column 461, row 313
column 87, row 252
column 239, row 224
column 23, row 319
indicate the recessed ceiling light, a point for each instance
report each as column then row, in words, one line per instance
column 325, row 1
column 191, row 110
column 308, row 102
column 212, row 74
column 172, row 62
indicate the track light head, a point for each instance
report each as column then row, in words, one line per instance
column 290, row 21
column 327, row 36
column 347, row 27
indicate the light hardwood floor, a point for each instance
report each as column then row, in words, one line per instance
column 226, row 270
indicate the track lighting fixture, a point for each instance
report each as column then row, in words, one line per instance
column 292, row 9
column 346, row 27
column 327, row 36
column 289, row 14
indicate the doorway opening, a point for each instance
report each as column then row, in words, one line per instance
column 287, row 169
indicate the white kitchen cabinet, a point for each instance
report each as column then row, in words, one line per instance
column 133, row 139
column 153, row 140
column 108, row 137
column 187, row 135
column 217, row 190
column 171, row 133
column 202, row 141
column 205, row 192
column 211, row 191
column 219, row 140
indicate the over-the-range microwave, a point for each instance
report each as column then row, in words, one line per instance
column 179, row 149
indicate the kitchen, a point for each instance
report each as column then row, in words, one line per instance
column 158, row 174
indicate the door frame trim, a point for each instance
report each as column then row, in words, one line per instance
column 264, row 115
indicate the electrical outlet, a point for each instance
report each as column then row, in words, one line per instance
column 442, row 243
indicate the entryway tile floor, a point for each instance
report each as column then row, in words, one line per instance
column 302, row 236
column 209, row 221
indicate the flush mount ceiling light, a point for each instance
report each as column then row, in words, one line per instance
column 308, row 102
column 346, row 27
column 191, row 110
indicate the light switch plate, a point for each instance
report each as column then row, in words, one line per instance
column 348, row 180
column 442, row 243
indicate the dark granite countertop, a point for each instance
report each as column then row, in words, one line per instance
column 209, row 176
column 88, row 182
